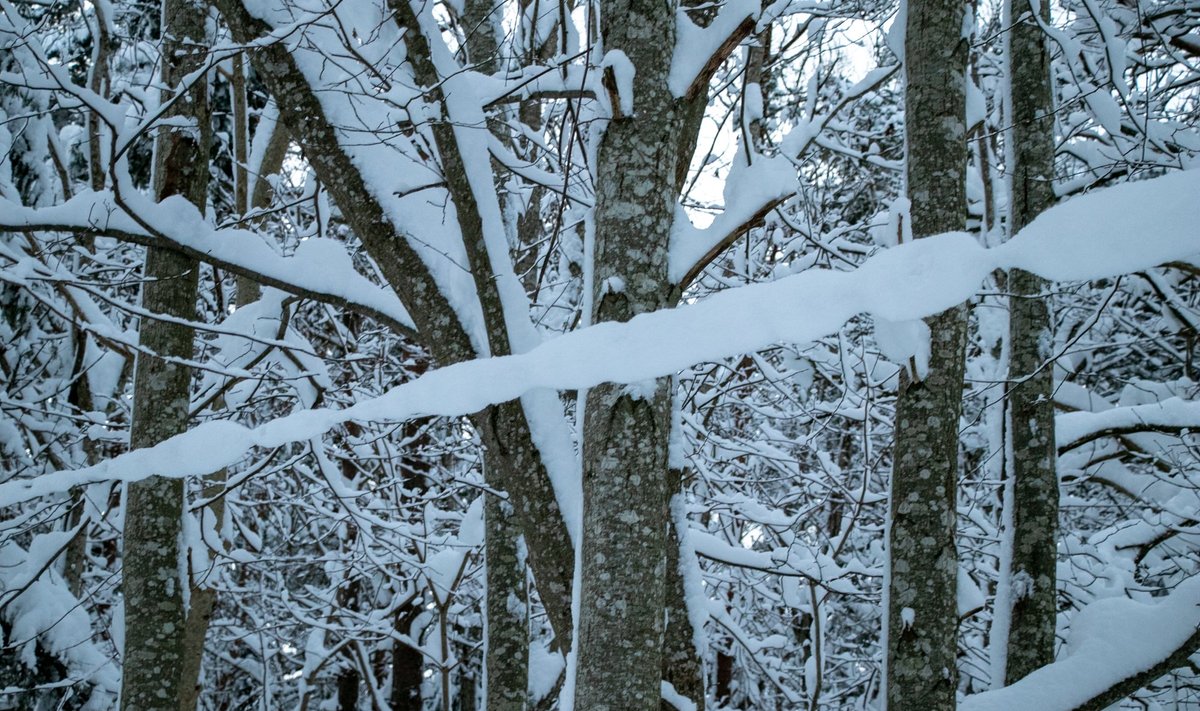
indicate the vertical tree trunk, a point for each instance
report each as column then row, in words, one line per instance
column 922, row 617
column 152, row 567
column 407, row 662
column 203, row 599
column 1031, row 376
column 507, row 662
column 626, row 428
column 406, row 665
column 509, row 449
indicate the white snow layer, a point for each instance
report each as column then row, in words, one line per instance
column 1122, row 229
column 1110, row 640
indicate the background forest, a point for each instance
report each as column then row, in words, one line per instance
column 599, row 354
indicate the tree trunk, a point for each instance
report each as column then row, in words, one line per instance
column 153, row 584
column 922, row 617
column 406, row 665
column 507, row 663
column 627, row 428
column 1031, row 375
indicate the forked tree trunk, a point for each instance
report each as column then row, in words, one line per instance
column 153, row 581
column 1031, row 374
column 922, row 617
column 626, row 428
column 509, row 449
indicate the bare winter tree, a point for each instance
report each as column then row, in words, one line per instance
column 525, row 354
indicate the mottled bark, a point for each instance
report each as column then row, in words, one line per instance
column 627, row 428
column 507, row 662
column 1031, row 382
column 512, row 457
column 152, row 583
column 624, row 562
column 922, row 618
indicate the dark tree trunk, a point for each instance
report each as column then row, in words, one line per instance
column 682, row 666
column 1031, row 374
column 152, row 583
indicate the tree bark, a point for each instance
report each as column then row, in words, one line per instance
column 507, row 663
column 153, row 569
column 922, row 619
column 627, row 428
column 1031, row 381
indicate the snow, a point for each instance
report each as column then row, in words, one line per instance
column 904, row 343
column 1109, row 640
column 695, row 599
column 470, row 530
column 1072, row 428
column 38, row 606
column 552, row 436
column 747, row 190
column 320, row 270
column 695, row 45
column 676, row 699
column 1086, row 238
column 970, row 597
column 622, row 72
column 545, row 666
column 268, row 123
